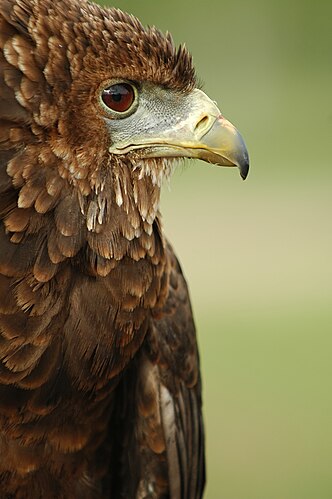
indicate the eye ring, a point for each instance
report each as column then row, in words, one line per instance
column 119, row 98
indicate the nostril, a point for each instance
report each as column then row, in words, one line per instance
column 202, row 125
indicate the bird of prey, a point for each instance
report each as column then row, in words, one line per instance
column 100, row 392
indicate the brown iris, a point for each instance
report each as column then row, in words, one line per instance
column 119, row 97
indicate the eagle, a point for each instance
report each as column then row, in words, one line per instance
column 100, row 389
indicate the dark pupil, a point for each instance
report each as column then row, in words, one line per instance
column 117, row 97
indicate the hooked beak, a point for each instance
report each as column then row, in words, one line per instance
column 223, row 145
column 200, row 131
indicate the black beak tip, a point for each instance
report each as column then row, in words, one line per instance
column 244, row 168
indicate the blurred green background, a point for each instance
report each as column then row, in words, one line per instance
column 257, row 254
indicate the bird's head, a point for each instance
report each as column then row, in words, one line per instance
column 111, row 106
column 126, row 95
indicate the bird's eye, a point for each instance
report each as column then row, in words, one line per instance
column 119, row 97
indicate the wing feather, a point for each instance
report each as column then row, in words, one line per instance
column 160, row 402
column 178, row 363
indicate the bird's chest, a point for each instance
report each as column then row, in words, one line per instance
column 107, row 320
column 94, row 328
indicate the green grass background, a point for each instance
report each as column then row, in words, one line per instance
column 257, row 254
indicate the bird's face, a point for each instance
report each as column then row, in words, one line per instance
column 146, row 120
